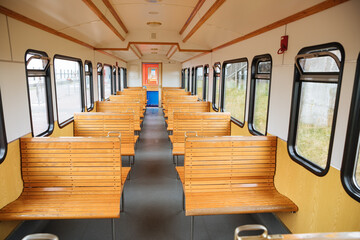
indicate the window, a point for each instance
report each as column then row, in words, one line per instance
column 199, row 79
column 317, row 81
column 89, row 86
column 107, row 81
column 216, row 87
column 125, row 78
column 69, row 88
column 259, row 94
column 234, row 85
column 100, row 82
column 187, row 75
column 3, row 140
column 39, row 92
column 192, row 85
column 206, row 83
column 113, row 81
column 119, row 85
column 350, row 169
column 183, row 78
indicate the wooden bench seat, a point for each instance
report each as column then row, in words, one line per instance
column 185, row 107
column 68, row 178
column 231, row 175
column 115, row 107
column 99, row 124
column 199, row 123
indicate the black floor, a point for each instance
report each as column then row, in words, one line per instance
column 153, row 200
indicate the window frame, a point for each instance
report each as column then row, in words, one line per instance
column 206, row 82
column 100, row 81
column 351, row 149
column 195, row 79
column 49, row 99
column 90, row 73
column 254, row 66
column 216, row 109
column 3, row 140
column 222, row 88
column 71, row 119
column 295, row 105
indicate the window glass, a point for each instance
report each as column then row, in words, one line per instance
column 113, row 82
column 199, row 72
column 68, row 87
column 118, row 85
column 235, row 84
column 89, row 86
column 3, row 140
column 192, row 87
column 100, row 82
column 206, row 83
column 38, row 83
column 186, row 77
column 107, row 81
column 216, row 86
column 314, row 105
column 317, row 103
column 259, row 94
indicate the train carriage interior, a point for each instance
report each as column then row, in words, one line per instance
column 179, row 119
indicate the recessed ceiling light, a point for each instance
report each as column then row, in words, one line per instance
column 154, row 24
column 154, row 49
column 153, row 13
column 153, row 1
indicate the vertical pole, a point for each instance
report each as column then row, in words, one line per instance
column 183, row 201
column 192, row 228
column 122, row 201
column 113, row 228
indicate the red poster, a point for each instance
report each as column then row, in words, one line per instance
column 150, row 74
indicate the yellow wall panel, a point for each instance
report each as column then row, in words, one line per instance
column 324, row 206
column 240, row 131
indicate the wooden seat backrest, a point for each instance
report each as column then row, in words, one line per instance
column 202, row 123
column 173, row 92
column 185, row 107
column 141, row 92
column 129, row 99
column 71, row 164
column 99, row 124
column 117, row 107
column 179, row 98
column 229, row 164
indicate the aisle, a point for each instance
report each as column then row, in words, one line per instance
column 153, row 200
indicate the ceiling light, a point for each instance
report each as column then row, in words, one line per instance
column 153, row 52
column 153, row 1
column 153, row 49
column 154, row 24
column 153, row 13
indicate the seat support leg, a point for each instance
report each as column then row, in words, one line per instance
column 192, row 228
column 113, row 228
column 122, row 201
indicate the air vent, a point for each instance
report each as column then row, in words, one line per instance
column 153, row 36
column 153, row 1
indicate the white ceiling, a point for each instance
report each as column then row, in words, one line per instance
column 233, row 19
